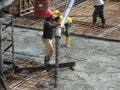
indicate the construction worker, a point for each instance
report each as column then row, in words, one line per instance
column 47, row 37
column 58, row 17
column 98, row 11
column 68, row 25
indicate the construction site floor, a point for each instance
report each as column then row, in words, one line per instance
column 82, row 18
column 94, row 49
column 97, row 63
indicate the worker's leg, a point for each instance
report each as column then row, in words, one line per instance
column 51, row 48
column 67, row 40
column 101, row 15
column 46, row 47
column 67, row 33
column 95, row 13
column 48, row 51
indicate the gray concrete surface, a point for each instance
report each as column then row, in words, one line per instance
column 97, row 62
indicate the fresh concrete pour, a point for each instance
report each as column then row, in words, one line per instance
column 97, row 62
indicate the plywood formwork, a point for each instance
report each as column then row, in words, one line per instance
column 19, row 7
column 82, row 18
column 25, row 7
column 111, row 11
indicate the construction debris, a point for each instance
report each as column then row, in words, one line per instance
column 20, row 7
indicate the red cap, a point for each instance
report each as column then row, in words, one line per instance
column 48, row 14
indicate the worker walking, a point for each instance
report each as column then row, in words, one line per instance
column 68, row 26
column 47, row 38
column 98, row 11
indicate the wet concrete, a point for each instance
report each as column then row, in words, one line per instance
column 97, row 62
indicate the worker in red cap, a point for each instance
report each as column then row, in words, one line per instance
column 48, row 36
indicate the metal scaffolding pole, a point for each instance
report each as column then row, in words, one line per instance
column 5, row 18
column 1, row 60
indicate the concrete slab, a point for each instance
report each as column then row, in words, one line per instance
column 97, row 62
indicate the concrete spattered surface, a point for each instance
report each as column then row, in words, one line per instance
column 97, row 62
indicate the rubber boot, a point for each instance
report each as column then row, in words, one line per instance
column 103, row 25
column 46, row 61
column 67, row 41
column 93, row 24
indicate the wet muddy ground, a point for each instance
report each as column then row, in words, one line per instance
column 82, row 18
column 97, row 62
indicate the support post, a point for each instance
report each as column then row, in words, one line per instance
column 1, row 60
column 56, row 60
column 3, row 19
column 57, row 39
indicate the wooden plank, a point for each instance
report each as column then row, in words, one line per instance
column 26, row 7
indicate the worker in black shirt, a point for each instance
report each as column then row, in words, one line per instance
column 98, row 11
column 47, row 37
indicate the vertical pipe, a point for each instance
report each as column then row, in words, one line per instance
column 12, row 32
column 1, row 60
column 56, row 60
column 57, row 46
column 57, row 38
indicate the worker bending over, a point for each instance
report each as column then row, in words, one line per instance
column 98, row 11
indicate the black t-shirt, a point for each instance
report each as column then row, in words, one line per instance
column 48, row 30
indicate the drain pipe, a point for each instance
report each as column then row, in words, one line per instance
column 57, row 40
